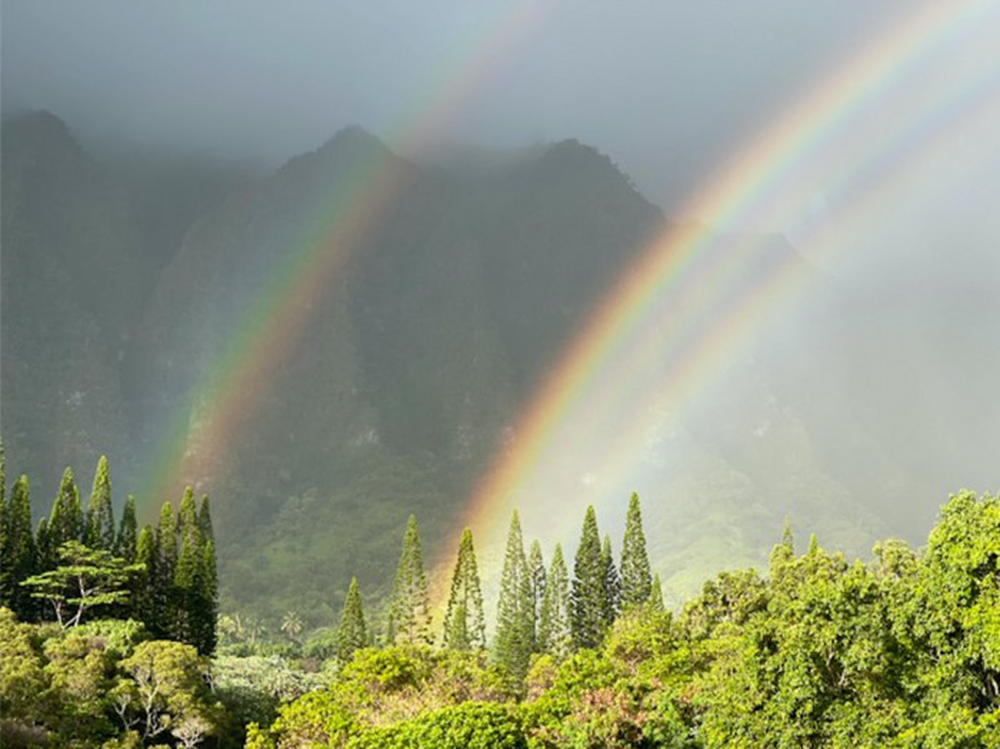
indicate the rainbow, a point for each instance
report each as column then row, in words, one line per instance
column 683, row 302
column 195, row 441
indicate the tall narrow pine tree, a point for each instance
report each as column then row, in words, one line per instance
column 612, row 583
column 353, row 634
column 409, row 607
column 515, row 609
column 206, row 616
column 205, row 623
column 66, row 521
column 554, row 632
column 100, row 515
column 588, row 595
column 205, row 520
column 537, row 576
column 163, row 622
column 144, row 593
column 656, row 595
column 22, row 556
column 128, row 536
column 464, row 622
column 637, row 582
column 45, row 555
column 188, row 585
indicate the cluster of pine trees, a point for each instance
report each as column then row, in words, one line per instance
column 540, row 610
column 164, row 577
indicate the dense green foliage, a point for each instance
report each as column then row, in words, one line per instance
column 901, row 652
column 77, row 565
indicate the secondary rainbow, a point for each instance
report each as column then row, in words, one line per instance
column 729, row 201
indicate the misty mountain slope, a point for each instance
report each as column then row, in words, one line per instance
column 408, row 374
column 414, row 361
column 69, row 295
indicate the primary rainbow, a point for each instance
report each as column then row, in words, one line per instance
column 196, row 440
column 679, row 273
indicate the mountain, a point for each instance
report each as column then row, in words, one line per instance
column 139, row 301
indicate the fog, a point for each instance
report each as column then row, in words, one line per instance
column 667, row 89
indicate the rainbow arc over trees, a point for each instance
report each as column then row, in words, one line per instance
column 697, row 292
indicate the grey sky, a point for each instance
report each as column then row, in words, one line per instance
column 670, row 90
column 664, row 88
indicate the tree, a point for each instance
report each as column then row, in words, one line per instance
column 45, row 554
column 554, row 633
column 205, row 621
column 100, row 532
column 21, row 556
column 612, row 583
column 353, row 634
column 125, row 543
column 537, row 576
column 656, row 594
column 165, row 689
column 164, row 609
column 143, row 582
column 637, row 582
column 291, row 625
column 85, row 579
column 205, row 520
column 588, row 597
column 515, row 608
column 409, row 608
column 188, row 586
column 66, row 521
column 464, row 622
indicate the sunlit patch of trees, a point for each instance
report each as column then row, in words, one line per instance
column 106, row 641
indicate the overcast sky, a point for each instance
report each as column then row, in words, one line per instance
column 669, row 90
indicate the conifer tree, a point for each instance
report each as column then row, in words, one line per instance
column 125, row 543
column 205, row 624
column 21, row 558
column 588, row 598
column 353, row 634
column 144, row 598
column 188, row 585
column 515, row 608
column 554, row 633
column 656, row 595
column 612, row 583
column 207, row 614
column 162, row 583
column 409, row 608
column 464, row 622
column 45, row 557
column 637, row 582
column 205, row 520
column 187, row 516
column 100, row 514
column 66, row 521
column 537, row 576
